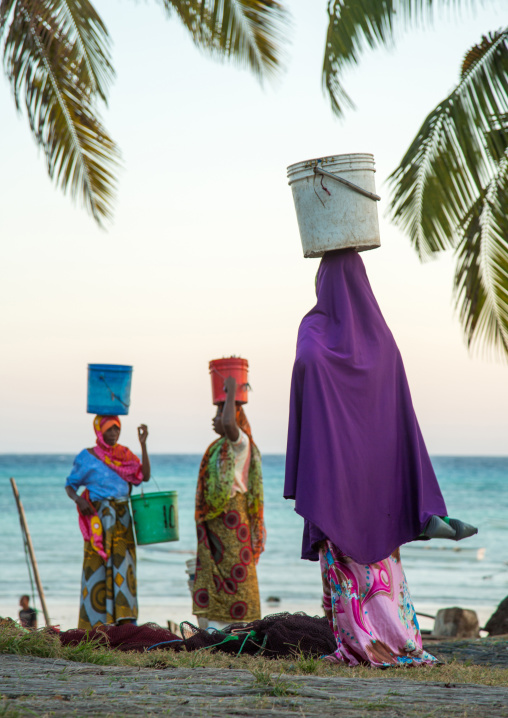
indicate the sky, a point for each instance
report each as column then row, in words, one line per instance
column 204, row 258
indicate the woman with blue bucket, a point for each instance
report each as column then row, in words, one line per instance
column 107, row 472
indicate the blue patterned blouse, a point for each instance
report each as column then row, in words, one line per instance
column 93, row 474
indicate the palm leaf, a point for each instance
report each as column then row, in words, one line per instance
column 354, row 25
column 454, row 155
column 481, row 278
column 451, row 187
column 84, row 32
column 451, row 190
column 59, row 64
column 247, row 31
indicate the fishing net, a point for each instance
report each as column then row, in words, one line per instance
column 277, row 636
column 126, row 637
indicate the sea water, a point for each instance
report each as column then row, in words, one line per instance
column 471, row 574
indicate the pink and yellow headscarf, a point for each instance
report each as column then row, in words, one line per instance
column 117, row 457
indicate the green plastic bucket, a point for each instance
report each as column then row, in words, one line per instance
column 155, row 517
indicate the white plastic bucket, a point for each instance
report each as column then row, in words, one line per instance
column 332, row 215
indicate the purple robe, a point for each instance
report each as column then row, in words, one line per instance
column 356, row 461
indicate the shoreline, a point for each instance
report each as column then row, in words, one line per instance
column 64, row 613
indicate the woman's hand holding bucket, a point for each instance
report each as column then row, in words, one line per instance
column 230, row 385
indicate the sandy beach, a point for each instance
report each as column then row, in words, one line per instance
column 64, row 613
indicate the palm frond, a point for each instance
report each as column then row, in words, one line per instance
column 247, row 31
column 475, row 53
column 355, row 25
column 54, row 63
column 85, row 33
column 481, row 278
column 454, row 155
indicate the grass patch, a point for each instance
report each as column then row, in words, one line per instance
column 306, row 664
column 7, row 711
column 273, row 686
column 15, row 640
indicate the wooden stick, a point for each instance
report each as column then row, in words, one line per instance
column 31, row 551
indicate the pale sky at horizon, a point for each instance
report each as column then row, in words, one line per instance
column 204, row 257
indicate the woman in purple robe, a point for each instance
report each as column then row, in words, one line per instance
column 358, row 469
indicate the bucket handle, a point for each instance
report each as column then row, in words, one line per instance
column 145, row 501
column 244, row 387
column 113, row 395
column 143, row 496
column 366, row 193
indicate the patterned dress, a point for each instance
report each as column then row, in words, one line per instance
column 370, row 611
column 108, row 586
column 230, row 529
column 226, row 584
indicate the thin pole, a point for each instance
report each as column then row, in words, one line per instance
column 31, row 551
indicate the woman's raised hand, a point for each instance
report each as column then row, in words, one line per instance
column 142, row 434
column 145, row 461
column 230, row 386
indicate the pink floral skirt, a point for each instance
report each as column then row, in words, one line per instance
column 370, row 611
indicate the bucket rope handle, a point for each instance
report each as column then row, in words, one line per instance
column 245, row 387
column 366, row 193
column 113, row 395
column 143, row 493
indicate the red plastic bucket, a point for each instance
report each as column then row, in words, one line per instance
column 220, row 369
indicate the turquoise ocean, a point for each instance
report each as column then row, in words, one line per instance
column 471, row 574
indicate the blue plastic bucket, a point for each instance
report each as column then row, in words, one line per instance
column 109, row 389
column 155, row 517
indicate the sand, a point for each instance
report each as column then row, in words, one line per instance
column 65, row 614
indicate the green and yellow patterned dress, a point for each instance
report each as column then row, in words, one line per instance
column 230, row 531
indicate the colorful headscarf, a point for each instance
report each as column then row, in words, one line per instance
column 216, row 475
column 117, row 457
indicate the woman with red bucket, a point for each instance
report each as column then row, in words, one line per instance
column 229, row 511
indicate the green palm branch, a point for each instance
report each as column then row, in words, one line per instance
column 481, row 277
column 450, row 191
column 249, row 32
column 355, row 25
column 56, row 54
